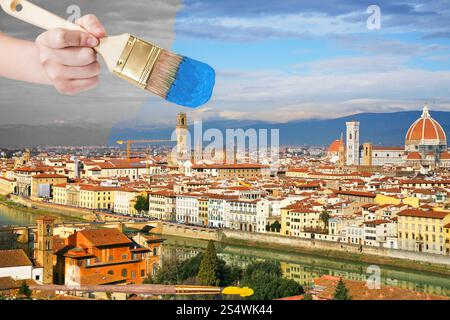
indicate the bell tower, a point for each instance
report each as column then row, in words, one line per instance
column 352, row 143
column 182, row 132
column 43, row 250
column 367, row 154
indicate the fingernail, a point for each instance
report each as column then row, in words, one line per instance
column 99, row 30
column 92, row 42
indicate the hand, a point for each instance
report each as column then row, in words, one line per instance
column 68, row 56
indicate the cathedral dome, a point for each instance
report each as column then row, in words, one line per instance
column 425, row 131
column 335, row 146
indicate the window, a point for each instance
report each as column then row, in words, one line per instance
column 124, row 272
column 142, row 273
column 110, row 258
column 133, row 274
column 124, row 257
column 111, row 272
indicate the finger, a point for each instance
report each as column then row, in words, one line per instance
column 71, row 87
column 92, row 25
column 60, row 73
column 83, row 72
column 69, row 56
column 62, row 38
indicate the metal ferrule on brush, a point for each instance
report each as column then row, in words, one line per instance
column 137, row 61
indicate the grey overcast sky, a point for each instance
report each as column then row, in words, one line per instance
column 114, row 100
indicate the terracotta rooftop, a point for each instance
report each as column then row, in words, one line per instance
column 100, row 279
column 325, row 286
column 357, row 193
column 49, row 176
column 14, row 258
column 105, row 237
column 8, row 283
column 423, row 214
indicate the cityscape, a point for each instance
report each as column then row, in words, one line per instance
column 123, row 215
column 210, row 158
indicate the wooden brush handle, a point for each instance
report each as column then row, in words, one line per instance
column 30, row 13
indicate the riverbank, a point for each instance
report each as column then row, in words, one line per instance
column 35, row 211
column 403, row 264
column 438, row 264
column 380, row 256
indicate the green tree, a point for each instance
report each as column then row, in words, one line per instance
column 265, row 278
column 141, row 204
column 229, row 275
column 24, row 290
column 307, row 296
column 275, row 227
column 325, row 217
column 270, row 267
column 148, row 279
column 341, row 292
column 208, row 272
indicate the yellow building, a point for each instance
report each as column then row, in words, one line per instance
column 296, row 220
column 423, row 231
column 203, row 211
column 447, row 238
column 132, row 202
column 7, row 186
column 60, row 194
column 97, row 197
column 384, row 199
column 300, row 274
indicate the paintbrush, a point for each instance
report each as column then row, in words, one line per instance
column 176, row 78
column 149, row 289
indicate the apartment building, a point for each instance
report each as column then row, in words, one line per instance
column 422, row 231
column 162, row 205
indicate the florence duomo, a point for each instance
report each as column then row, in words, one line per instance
column 425, row 147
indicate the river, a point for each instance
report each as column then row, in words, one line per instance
column 300, row 267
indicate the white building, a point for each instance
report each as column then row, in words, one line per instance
column 354, row 234
column 122, row 198
column 218, row 210
column 268, row 210
column 241, row 215
column 187, row 209
column 16, row 264
column 377, row 231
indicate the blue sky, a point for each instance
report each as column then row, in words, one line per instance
column 288, row 60
column 278, row 60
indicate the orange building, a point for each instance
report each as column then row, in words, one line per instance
column 101, row 256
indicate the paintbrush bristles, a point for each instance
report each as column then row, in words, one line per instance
column 164, row 73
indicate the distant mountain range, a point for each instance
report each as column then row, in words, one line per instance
column 378, row 128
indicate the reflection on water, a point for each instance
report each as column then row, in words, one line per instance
column 15, row 216
column 304, row 268
column 9, row 216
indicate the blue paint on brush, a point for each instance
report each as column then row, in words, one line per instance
column 193, row 85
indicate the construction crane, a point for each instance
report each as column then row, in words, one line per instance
column 130, row 142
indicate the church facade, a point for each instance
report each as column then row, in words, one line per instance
column 425, row 147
